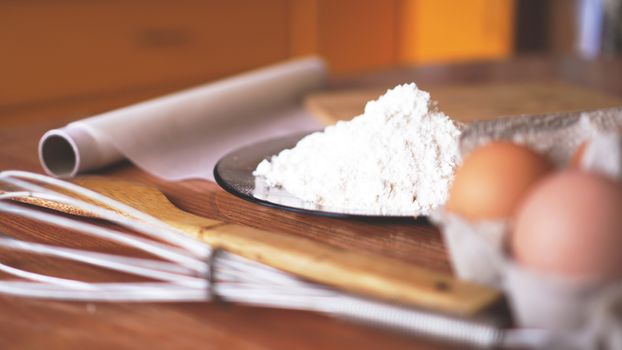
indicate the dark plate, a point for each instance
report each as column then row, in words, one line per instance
column 234, row 173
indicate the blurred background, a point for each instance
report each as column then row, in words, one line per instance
column 65, row 48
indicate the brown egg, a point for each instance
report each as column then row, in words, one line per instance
column 571, row 224
column 493, row 178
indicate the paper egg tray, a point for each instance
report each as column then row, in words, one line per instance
column 590, row 311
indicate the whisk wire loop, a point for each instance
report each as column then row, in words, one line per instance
column 187, row 269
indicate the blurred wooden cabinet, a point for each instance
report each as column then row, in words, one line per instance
column 434, row 31
column 54, row 49
column 58, row 49
column 366, row 34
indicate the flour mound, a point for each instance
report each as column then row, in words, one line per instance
column 397, row 157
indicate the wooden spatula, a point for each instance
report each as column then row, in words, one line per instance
column 369, row 275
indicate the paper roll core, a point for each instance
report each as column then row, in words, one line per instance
column 182, row 135
column 59, row 154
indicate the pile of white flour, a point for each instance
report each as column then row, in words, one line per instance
column 397, row 157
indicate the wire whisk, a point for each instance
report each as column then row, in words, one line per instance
column 186, row 269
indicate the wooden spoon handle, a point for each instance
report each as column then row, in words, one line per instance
column 355, row 272
column 365, row 274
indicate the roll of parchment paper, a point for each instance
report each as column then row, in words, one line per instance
column 183, row 135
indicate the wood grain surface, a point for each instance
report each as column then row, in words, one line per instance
column 31, row 324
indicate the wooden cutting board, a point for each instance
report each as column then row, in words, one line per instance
column 472, row 102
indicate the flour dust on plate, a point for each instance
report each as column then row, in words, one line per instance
column 396, row 159
column 234, row 173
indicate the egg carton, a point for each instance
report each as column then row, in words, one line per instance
column 588, row 311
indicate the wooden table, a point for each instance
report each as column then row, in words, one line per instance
column 26, row 323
